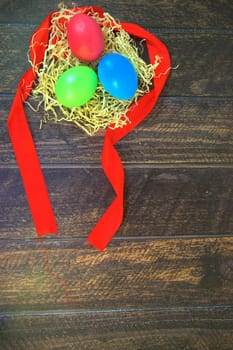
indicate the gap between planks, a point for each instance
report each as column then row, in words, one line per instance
column 115, row 311
column 128, row 165
column 126, row 238
column 175, row 30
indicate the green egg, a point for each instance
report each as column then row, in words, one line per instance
column 76, row 86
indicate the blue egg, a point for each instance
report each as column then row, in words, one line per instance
column 118, row 76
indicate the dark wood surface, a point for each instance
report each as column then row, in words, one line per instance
column 166, row 280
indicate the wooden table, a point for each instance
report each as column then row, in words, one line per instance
column 166, row 279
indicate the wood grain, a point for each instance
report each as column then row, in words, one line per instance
column 131, row 273
column 158, row 202
column 179, row 132
column 157, row 13
column 166, row 280
column 188, row 329
column 198, row 73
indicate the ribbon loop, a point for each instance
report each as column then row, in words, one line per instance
column 25, row 150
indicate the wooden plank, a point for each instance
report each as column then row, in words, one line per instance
column 157, row 13
column 197, row 75
column 131, row 273
column 158, row 202
column 191, row 329
column 179, row 132
column 13, row 55
column 166, row 280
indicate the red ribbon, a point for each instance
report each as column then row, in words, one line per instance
column 25, row 150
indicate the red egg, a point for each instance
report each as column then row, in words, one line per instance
column 85, row 37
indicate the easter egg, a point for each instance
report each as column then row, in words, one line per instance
column 118, row 76
column 85, row 37
column 76, row 86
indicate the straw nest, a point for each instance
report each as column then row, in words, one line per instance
column 103, row 110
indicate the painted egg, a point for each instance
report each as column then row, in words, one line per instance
column 118, row 76
column 85, row 37
column 76, row 86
